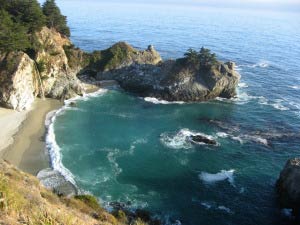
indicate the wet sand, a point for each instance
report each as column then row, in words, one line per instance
column 26, row 148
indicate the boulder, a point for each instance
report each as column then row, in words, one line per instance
column 200, row 139
column 288, row 186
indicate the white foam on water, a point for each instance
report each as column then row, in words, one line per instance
column 112, row 158
column 164, row 102
column 181, row 140
column 260, row 64
column 243, row 85
column 207, row 205
column 222, row 134
column 211, row 178
column 256, row 139
column 224, row 208
column 277, row 104
column 296, row 87
column 51, row 144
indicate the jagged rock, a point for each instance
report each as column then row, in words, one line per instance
column 202, row 139
column 19, row 81
column 288, row 186
column 176, row 81
column 54, row 181
column 57, row 75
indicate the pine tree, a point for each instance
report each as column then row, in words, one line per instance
column 13, row 36
column 26, row 12
column 54, row 18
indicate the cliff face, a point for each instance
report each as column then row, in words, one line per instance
column 58, row 79
column 19, row 81
column 288, row 185
column 47, row 74
column 53, row 73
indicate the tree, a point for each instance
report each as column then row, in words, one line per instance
column 13, row 36
column 206, row 58
column 192, row 56
column 26, row 12
column 54, row 18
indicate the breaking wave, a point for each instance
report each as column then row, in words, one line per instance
column 211, row 178
column 164, row 102
column 181, row 140
column 51, row 144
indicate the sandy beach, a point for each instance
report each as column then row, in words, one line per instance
column 22, row 136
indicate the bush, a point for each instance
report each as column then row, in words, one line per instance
column 41, row 66
column 90, row 201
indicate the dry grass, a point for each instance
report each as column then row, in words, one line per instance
column 24, row 201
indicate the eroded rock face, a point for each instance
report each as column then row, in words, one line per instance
column 58, row 78
column 175, row 81
column 19, row 81
column 288, row 185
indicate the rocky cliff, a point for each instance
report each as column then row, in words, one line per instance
column 46, row 73
column 176, row 80
column 52, row 70
column 19, row 81
column 288, row 186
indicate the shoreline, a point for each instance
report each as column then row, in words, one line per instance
column 26, row 148
column 23, row 137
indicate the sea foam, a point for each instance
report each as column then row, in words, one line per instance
column 211, row 178
column 164, row 102
column 51, row 145
column 180, row 140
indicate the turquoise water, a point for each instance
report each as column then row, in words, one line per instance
column 122, row 148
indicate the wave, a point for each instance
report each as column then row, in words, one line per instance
column 296, row 87
column 211, row 178
column 51, row 145
column 244, row 138
column 181, row 140
column 54, row 149
column 164, row 102
column 260, row 64
column 243, row 85
column 112, row 158
column 214, row 206
column 277, row 104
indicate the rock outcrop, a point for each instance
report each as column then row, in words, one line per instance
column 120, row 55
column 288, row 186
column 19, row 81
column 47, row 73
column 52, row 69
column 58, row 78
column 176, row 80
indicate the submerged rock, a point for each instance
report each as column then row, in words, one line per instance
column 288, row 186
column 200, row 139
column 54, row 181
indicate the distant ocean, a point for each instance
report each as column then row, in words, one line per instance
column 132, row 150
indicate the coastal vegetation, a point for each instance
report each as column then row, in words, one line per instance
column 23, row 200
column 203, row 59
column 21, row 19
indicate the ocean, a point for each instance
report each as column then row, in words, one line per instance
column 123, row 148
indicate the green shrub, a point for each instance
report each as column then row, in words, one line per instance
column 90, row 201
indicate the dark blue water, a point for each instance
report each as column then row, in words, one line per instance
column 123, row 148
